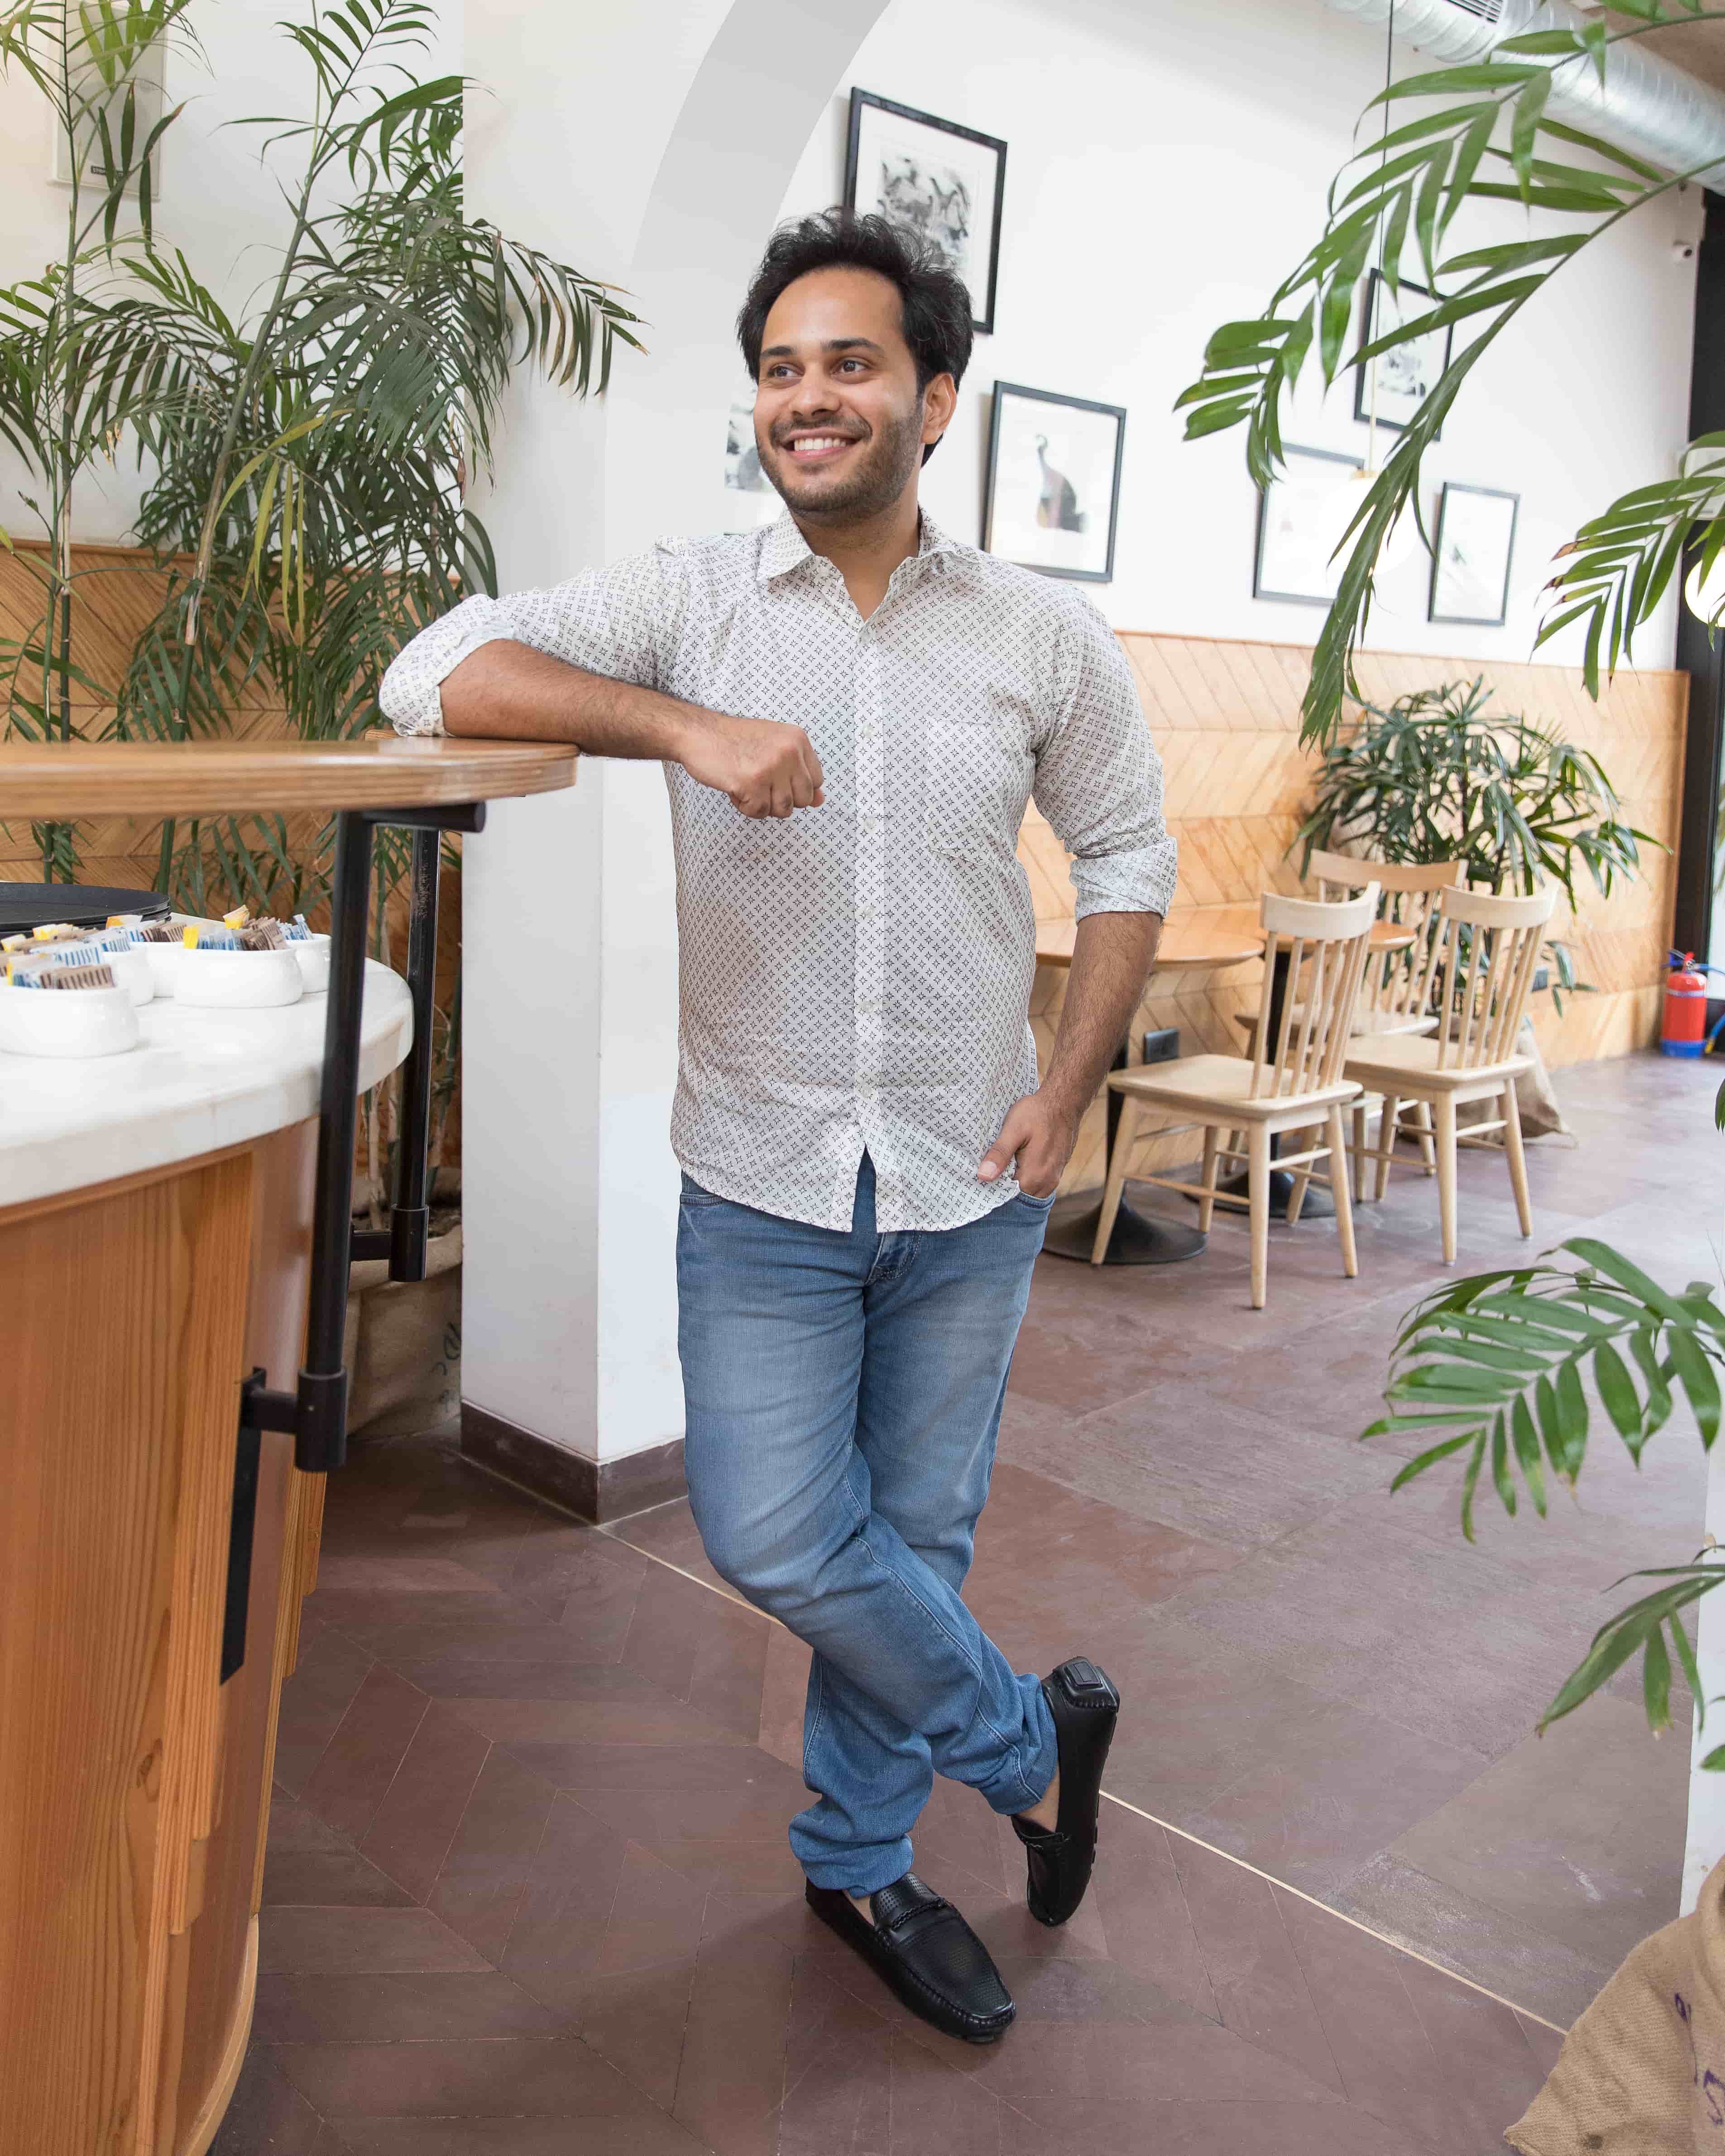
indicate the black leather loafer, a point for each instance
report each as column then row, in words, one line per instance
column 1084, row 1705
column 926, row 1951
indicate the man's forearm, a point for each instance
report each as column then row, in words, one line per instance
column 1112, row 954
column 508, row 691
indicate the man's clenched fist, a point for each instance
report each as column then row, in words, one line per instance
column 762, row 766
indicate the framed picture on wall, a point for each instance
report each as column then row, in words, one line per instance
column 749, row 497
column 1405, row 376
column 942, row 180
column 1476, row 543
column 1053, row 497
column 1302, row 517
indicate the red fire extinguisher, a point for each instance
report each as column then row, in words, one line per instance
column 1684, row 1028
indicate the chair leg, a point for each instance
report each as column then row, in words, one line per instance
column 1129, row 1112
column 1359, row 1153
column 1339, row 1191
column 1258, row 1194
column 1445, row 1139
column 1386, row 1141
column 1212, row 1163
column 1517, row 1159
column 1422, row 1123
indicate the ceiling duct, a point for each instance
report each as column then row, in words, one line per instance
column 1644, row 105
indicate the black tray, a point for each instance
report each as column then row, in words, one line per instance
column 27, row 906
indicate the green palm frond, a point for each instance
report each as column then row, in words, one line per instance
column 1496, row 1369
column 1398, row 197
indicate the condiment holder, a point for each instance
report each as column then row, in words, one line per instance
column 233, row 980
column 312, row 954
column 132, row 972
column 67, row 1021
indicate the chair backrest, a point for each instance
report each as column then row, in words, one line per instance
column 1304, row 1044
column 1491, row 950
column 1397, row 982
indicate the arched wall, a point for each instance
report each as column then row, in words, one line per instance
column 653, row 148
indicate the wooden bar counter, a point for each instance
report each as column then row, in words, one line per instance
column 156, row 1211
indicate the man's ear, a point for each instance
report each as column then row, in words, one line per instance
column 940, row 401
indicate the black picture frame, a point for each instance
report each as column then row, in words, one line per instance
column 864, row 101
column 1260, row 589
column 1374, row 284
column 1474, row 621
column 1002, row 391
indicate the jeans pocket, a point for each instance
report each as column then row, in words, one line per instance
column 1039, row 1204
column 696, row 1198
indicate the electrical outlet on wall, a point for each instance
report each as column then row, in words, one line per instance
column 1163, row 1045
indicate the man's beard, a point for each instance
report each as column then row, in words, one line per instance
column 881, row 473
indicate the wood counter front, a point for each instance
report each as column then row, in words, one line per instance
column 133, row 1786
column 134, row 1782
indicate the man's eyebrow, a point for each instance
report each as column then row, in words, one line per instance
column 831, row 344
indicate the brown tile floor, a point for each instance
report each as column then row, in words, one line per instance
column 528, row 1888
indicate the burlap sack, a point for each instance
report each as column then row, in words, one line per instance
column 1541, row 1116
column 1642, row 2073
column 404, row 1346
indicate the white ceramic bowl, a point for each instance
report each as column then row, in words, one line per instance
column 235, row 980
column 313, row 959
column 163, row 959
column 67, row 1021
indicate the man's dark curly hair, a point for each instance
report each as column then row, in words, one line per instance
column 934, row 305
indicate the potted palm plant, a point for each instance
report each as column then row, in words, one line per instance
column 306, row 461
column 1438, row 776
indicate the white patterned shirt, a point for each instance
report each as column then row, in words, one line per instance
column 858, row 976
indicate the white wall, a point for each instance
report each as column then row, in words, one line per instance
column 1166, row 168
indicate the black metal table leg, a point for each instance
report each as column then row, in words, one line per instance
column 1138, row 1238
column 316, row 1413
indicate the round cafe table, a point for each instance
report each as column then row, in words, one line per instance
column 1186, row 946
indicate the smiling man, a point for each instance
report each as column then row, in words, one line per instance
column 853, row 711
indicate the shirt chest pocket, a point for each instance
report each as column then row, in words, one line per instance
column 977, row 776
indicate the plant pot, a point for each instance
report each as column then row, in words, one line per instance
column 403, row 1343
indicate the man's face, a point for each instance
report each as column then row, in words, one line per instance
column 838, row 422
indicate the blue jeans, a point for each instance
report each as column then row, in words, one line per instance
column 844, row 1393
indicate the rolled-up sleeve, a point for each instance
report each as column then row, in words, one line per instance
column 622, row 621
column 1099, row 777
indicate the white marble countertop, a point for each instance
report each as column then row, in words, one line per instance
column 198, row 1080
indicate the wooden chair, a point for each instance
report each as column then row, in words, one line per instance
column 1395, row 996
column 1299, row 1084
column 1488, row 950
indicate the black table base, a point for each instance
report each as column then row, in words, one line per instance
column 1318, row 1204
column 1139, row 1239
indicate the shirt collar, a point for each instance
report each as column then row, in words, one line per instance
column 784, row 547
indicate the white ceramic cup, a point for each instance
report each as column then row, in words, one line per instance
column 236, row 980
column 67, row 1022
